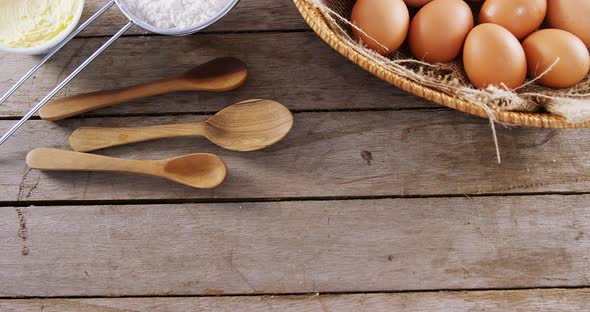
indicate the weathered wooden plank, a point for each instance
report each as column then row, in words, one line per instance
column 566, row 300
column 296, row 247
column 326, row 154
column 295, row 68
column 248, row 15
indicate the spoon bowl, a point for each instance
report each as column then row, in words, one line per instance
column 249, row 125
column 220, row 74
column 196, row 170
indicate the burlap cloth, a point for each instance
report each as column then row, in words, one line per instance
column 572, row 103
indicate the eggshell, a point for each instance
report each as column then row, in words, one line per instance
column 493, row 56
column 416, row 3
column 544, row 47
column 520, row 17
column 384, row 23
column 572, row 16
column 438, row 30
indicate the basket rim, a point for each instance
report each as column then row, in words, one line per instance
column 315, row 19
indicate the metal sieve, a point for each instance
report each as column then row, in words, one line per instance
column 133, row 20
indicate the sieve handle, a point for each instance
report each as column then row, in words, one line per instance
column 64, row 82
column 54, row 50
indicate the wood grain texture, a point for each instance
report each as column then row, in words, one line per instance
column 248, row 15
column 245, row 126
column 296, row 247
column 218, row 75
column 194, row 170
column 538, row 300
column 325, row 154
column 296, row 69
column 289, row 246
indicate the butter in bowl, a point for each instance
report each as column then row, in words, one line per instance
column 36, row 26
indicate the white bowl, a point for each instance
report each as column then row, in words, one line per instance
column 47, row 46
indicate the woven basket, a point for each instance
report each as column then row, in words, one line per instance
column 318, row 23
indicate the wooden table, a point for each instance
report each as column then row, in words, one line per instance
column 376, row 201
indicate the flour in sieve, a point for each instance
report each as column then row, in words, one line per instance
column 175, row 13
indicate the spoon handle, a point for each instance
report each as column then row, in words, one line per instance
column 86, row 139
column 78, row 104
column 55, row 159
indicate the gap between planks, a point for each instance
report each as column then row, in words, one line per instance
column 527, row 300
column 208, row 113
column 268, row 200
column 314, row 294
column 202, row 33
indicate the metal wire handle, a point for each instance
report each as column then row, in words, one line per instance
column 69, row 77
column 133, row 20
column 54, row 50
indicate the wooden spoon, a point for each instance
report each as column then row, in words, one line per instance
column 245, row 126
column 196, row 170
column 221, row 74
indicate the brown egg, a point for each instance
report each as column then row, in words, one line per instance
column 493, row 56
column 520, row 17
column 438, row 30
column 572, row 16
column 544, row 47
column 385, row 23
column 416, row 3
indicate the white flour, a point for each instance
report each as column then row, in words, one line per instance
column 175, row 13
